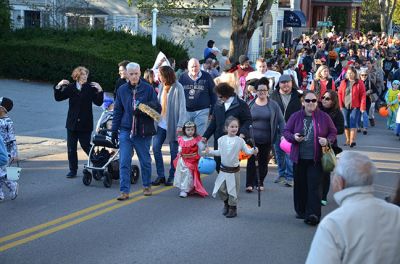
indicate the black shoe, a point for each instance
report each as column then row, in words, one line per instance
column 169, row 182
column 226, row 208
column 71, row 174
column 231, row 212
column 158, row 181
column 312, row 220
column 372, row 122
column 352, row 145
column 365, row 132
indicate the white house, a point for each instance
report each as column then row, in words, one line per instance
column 116, row 14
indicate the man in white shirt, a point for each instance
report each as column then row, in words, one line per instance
column 262, row 71
column 364, row 229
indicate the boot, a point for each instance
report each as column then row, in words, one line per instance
column 226, row 208
column 372, row 122
column 232, row 212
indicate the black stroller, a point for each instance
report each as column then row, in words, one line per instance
column 103, row 159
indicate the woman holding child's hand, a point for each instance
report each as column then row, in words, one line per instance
column 81, row 95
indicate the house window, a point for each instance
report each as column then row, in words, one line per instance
column 75, row 22
column 284, row 3
column 32, row 19
column 99, row 23
column 203, row 21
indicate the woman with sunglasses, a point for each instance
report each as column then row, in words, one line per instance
column 371, row 98
column 308, row 130
column 330, row 105
column 352, row 101
column 268, row 122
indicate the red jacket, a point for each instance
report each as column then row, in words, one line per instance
column 358, row 95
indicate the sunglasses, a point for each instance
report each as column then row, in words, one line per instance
column 326, row 98
column 310, row 100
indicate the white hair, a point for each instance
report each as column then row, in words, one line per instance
column 132, row 66
column 355, row 168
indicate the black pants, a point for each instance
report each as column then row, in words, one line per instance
column 72, row 144
column 307, row 189
column 326, row 182
column 263, row 160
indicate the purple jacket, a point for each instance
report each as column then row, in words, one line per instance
column 323, row 127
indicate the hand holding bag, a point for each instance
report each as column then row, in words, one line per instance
column 328, row 159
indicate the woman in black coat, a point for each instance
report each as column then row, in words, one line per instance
column 330, row 105
column 229, row 104
column 81, row 95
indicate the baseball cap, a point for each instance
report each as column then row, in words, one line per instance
column 285, row 78
column 243, row 59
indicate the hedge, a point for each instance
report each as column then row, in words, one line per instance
column 51, row 55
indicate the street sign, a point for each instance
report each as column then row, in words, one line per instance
column 324, row 23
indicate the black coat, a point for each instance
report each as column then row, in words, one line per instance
column 238, row 109
column 80, row 113
column 293, row 106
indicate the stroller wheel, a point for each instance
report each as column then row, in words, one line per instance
column 107, row 181
column 97, row 175
column 135, row 173
column 87, row 177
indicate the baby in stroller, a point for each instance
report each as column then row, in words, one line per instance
column 103, row 158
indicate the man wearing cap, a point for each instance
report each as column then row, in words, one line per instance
column 291, row 70
column 289, row 102
column 199, row 93
column 244, row 68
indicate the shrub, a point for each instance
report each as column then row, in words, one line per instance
column 51, row 55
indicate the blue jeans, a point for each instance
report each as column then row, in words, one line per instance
column 363, row 119
column 285, row 165
column 200, row 118
column 351, row 117
column 158, row 141
column 142, row 148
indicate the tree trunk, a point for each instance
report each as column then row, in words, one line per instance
column 239, row 43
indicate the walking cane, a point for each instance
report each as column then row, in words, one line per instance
column 256, row 161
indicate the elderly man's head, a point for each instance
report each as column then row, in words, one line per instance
column 133, row 72
column 193, row 67
column 353, row 169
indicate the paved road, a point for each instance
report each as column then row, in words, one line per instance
column 59, row 220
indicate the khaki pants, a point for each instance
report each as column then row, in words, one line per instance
column 223, row 192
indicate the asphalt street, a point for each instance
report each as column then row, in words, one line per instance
column 59, row 220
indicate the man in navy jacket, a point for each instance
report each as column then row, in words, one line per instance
column 135, row 128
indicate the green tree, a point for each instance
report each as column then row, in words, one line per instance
column 246, row 16
column 396, row 14
column 370, row 16
column 5, row 21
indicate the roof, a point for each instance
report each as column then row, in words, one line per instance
column 85, row 11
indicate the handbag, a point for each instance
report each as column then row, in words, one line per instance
column 328, row 159
column 13, row 173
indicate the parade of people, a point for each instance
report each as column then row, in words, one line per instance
column 300, row 123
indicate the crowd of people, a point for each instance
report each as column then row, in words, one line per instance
column 304, row 97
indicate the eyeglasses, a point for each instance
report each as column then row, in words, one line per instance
column 310, row 100
column 326, row 98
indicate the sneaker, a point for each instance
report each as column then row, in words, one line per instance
column 123, row 197
column 312, row 220
column 147, row 191
column 289, row 183
column 183, row 194
column 71, row 174
column 14, row 191
column 279, row 179
column 324, row 202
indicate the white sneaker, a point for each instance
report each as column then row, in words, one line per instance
column 183, row 194
column 14, row 191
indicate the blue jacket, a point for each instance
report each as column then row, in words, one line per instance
column 123, row 108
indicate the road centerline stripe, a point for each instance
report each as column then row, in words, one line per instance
column 78, row 220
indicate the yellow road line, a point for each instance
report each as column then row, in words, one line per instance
column 77, row 221
column 61, row 219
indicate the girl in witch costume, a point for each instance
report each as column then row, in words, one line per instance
column 187, row 175
column 228, row 181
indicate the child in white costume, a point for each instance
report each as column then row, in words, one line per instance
column 228, row 181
